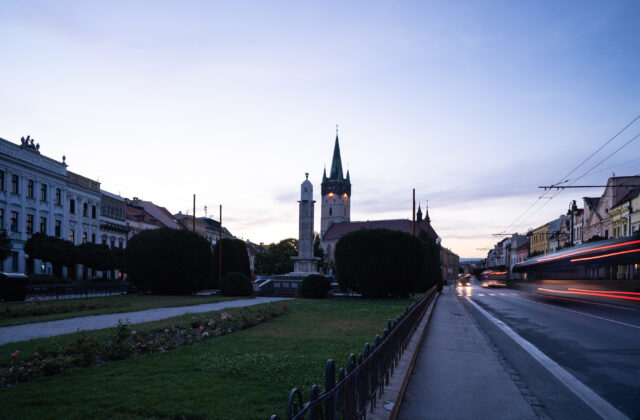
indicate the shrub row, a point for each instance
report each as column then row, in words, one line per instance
column 125, row 343
column 37, row 308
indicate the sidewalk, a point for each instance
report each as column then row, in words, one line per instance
column 66, row 326
column 457, row 375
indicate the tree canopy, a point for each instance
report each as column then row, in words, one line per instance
column 277, row 258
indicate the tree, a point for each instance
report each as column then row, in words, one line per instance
column 236, row 284
column 235, row 259
column 5, row 246
column 433, row 271
column 96, row 257
column 380, row 263
column 50, row 249
column 277, row 258
column 169, row 261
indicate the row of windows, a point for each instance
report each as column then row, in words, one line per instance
column 57, row 229
column 31, row 188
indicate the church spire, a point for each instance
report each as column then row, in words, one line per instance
column 419, row 215
column 336, row 163
column 426, row 217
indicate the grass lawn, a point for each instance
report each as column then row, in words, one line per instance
column 245, row 375
column 118, row 304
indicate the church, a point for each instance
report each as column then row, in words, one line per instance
column 335, row 219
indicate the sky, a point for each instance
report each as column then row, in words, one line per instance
column 473, row 104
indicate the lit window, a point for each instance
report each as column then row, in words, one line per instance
column 331, row 195
column 345, row 196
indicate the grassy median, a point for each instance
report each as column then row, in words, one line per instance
column 244, row 375
column 50, row 310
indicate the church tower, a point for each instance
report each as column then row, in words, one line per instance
column 336, row 193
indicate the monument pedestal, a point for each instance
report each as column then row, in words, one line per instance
column 305, row 265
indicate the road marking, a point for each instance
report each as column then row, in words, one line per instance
column 581, row 313
column 593, row 400
column 492, row 294
column 480, row 294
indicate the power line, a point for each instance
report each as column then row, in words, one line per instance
column 565, row 178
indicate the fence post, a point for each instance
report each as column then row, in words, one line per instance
column 329, row 383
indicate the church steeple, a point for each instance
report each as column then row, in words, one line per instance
column 426, row 217
column 336, row 163
column 419, row 214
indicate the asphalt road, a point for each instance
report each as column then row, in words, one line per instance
column 599, row 344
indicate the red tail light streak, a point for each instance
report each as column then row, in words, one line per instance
column 557, row 257
column 606, row 255
column 614, row 295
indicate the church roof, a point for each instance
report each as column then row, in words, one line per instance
column 337, row 230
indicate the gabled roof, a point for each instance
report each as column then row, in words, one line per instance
column 337, row 230
column 160, row 213
column 628, row 197
column 592, row 203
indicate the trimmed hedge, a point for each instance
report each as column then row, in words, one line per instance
column 169, row 261
column 315, row 286
column 236, row 284
column 381, row 263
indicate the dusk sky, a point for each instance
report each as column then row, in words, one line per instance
column 473, row 104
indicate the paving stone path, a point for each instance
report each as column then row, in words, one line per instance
column 66, row 326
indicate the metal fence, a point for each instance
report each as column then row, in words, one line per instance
column 58, row 291
column 358, row 387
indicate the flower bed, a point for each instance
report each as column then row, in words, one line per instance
column 125, row 343
column 37, row 308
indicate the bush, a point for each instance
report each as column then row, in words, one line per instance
column 235, row 259
column 380, row 263
column 315, row 286
column 169, row 261
column 236, row 284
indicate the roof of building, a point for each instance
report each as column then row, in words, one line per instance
column 160, row 213
column 337, row 230
column 253, row 249
column 138, row 214
column 629, row 196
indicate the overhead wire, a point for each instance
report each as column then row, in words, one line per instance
column 565, row 179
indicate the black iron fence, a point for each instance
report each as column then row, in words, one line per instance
column 358, row 387
column 57, row 291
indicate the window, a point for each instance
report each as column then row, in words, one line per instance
column 84, row 237
column 1, row 180
column 14, row 221
column 43, row 225
column 330, row 211
column 1, row 218
column 93, row 238
column 113, row 242
column 14, row 184
column 29, row 224
column 85, row 206
column 93, row 212
column 120, row 242
column 30, row 184
column 58, row 228
column 14, row 261
column 72, row 206
column 72, row 236
column 58, row 197
column 43, row 192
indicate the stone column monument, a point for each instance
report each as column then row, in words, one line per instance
column 305, row 262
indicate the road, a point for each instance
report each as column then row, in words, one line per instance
column 599, row 344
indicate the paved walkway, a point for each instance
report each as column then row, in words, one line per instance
column 65, row 326
column 457, row 375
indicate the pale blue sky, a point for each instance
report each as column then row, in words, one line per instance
column 474, row 104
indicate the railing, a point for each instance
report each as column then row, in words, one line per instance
column 55, row 291
column 359, row 386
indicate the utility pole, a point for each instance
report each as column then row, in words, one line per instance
column 220, row 249
column 194, row 212
column 413, row 214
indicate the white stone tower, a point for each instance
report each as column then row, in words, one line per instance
column 305, row 262
column 336, row 194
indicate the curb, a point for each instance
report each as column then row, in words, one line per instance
column 398, row 383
